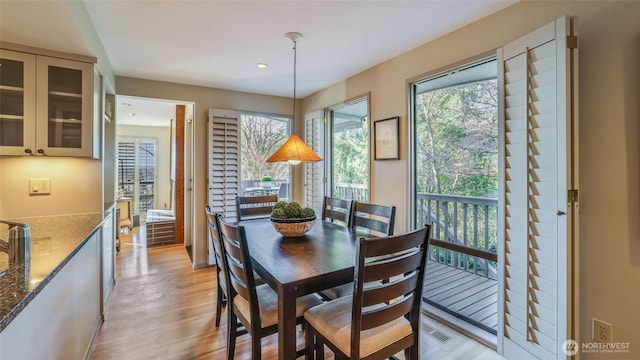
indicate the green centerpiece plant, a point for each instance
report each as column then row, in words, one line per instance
column 291, row 210
column 292, row 220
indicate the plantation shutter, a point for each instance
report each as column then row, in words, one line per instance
column 537, row 209
column 314, row 172
column 224, row 162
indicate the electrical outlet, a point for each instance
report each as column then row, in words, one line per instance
column 41, row 186
column 601, row 331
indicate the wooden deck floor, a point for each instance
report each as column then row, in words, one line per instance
column 462, row 293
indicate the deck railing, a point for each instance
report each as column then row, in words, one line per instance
column 468, row 223
column 357, row 192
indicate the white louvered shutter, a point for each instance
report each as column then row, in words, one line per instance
column 536, row 213
column 224, row 161
column 314, row 172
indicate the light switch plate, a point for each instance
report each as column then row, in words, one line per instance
column 40, row 186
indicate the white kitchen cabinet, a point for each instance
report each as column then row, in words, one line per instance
column 46, row 105
column 62, row 320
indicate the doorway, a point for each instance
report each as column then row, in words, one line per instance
column 160, row 130
column 455, row 178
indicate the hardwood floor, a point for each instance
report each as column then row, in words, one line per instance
column 161, row 308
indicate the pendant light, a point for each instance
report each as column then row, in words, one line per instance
column 294, row 150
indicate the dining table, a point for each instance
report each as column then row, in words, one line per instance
column 322, row 258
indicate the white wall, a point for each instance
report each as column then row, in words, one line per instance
column 163, row 141
column 609, row 91
column 76, row 186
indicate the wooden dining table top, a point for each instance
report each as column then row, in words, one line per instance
column 322, row 258
column 324, row 254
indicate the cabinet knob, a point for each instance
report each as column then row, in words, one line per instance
column 28, row 151
column 40, row 151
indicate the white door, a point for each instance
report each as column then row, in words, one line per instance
column 538, row 196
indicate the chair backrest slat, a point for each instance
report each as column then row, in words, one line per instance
column 391, row 290
column 335, row 209
column 380, row 316
column 387, row 268
column 378, row 218
column 255, row 206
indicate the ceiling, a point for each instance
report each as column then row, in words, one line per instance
column 218, row 43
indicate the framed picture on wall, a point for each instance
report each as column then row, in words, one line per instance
column 386, row 134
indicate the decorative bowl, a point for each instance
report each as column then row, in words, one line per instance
column 293, row 227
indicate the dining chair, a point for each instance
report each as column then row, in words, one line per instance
column 336, row 210
column 381, row 318
column 256, row 307
column 255, row 207
column 221, row 296
column 366, row 220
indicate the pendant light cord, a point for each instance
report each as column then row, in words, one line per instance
column 295, row 52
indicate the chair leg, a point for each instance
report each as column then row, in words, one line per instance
column 220, row 302
column 232, row 328
column 412, row 353
column 308, row 341
column 319, row 349
column 256, row 346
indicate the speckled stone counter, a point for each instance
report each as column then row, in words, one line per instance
column 54, row 240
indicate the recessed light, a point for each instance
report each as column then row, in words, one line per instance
column 132, row 114
column 126, row 104
column 261, row 65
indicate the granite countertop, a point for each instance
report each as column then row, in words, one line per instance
column 54, row 240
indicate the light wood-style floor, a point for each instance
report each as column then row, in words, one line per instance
column 161, row 308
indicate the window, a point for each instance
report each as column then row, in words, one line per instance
column 238, row 145
column 137, row 173
column 349, row 138
column 260, row 136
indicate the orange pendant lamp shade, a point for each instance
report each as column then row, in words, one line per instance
column 294, row 151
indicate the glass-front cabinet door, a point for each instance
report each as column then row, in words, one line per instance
column 64, row 111
column 17, row 103
column 45, row 105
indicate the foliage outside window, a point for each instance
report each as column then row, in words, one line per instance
column 350, row 155
column 349, row 139
column 261, row 136
column 456, row 153
column 457, row 140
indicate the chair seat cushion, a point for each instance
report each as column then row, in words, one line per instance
column 338, row 291
column 268, row 304
column 333, row 321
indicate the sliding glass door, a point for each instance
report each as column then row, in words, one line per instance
column 349, row 144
